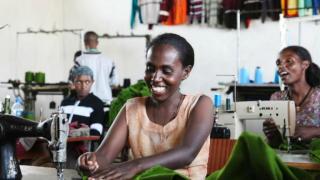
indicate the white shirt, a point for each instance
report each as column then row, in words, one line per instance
column 104, row 74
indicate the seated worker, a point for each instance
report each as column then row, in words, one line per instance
column 302, row 78
column 84, row 109
column 167, row 128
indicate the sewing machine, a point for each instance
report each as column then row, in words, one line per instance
column 54, row 129
column 282, row 112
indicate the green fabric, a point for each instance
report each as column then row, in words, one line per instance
column 252, row 158
column 155, row 173
column 135, row 90
column 160, row 173
column 315, row 150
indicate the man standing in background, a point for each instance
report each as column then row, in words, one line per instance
column 103, row 68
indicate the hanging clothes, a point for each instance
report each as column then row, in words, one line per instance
column 135, row 9
column 228, row 13
column 284, row 7
column 308, row 6
column 150, row 11
column 178, row 13
column 210, row 11
column 195, row 11
column 301, row 6
column 270, row 8
column 315, row 7
column 252, row 9
column 275, row 6
column 292, row 6
column 165, row 8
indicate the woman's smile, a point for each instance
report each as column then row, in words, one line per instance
column 158, row 89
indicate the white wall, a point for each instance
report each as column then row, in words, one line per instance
column 215, row 49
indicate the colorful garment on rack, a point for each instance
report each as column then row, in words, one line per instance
column 135, row 9
column 228, row 15
column 195, row 11
column 210, row 12
column 275, row 6
column 315, row 8
column 308, row 6
column 178, row 13
column 270, row 8
column 292, row 8
column 301, row 6
column 165, row 8
column 283, row 7
column 150, row 11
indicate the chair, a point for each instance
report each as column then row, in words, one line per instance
column 219, row 152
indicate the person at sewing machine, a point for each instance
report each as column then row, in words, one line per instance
column 84, row 111
column 85, row 108
column 302, row 78
column 167, row 128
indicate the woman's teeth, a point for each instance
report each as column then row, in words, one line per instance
column 158, row 89
column 284, row 73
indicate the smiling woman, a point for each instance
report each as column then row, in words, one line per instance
column 167, row 128
column 302, row 78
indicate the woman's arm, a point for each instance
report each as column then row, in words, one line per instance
column 108, row 150
column 306, row 133
column 198, row 128
column 114, row 141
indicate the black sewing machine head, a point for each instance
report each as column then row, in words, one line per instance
column 11, row 127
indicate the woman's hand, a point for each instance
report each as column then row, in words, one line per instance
column 271, row 131
column 305, row 133
column 87, row 163
column 126, row 170
column 270, row 128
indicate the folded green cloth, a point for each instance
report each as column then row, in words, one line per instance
column 160, row 173
column 252, row 158
column 315, row 150
column 155, row 173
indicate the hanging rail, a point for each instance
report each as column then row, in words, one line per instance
column 146, row 36
column 41, row 31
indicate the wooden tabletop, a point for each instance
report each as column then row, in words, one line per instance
column 35, row 172
column 305, row 165
column 301, row 161
column 83, row 138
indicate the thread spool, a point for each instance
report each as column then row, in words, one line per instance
column 276, row 77
column 217, row 100
column 29, row 77
column 244, row 76
column 258, row 76
column 40, row 77
column 228, row 104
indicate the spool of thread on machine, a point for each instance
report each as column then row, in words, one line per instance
column 228, row 104
column 29, row 77
column 244, row 76
column 258, row 75
column 40, row 77
column 217, row 101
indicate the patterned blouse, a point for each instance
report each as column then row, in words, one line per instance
column 309, row 115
